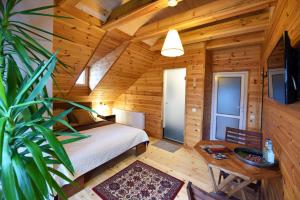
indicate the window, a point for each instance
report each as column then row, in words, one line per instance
column 82, row 80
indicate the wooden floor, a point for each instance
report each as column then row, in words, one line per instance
column 185, row 164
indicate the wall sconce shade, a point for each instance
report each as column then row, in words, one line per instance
column 172, row 3
column 172, row 46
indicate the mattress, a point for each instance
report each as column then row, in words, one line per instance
column 104, row 144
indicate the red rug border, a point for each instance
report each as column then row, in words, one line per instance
column 173, row 197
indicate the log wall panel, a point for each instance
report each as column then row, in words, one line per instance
column 282, row 122
column 207, row 96
column 146, row 94
column 80, row 39
column 243, row 59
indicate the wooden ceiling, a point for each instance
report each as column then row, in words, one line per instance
column 92, row 38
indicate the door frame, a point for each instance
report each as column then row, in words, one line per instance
column 243, row 102
column 271, row 73
column 164, row 100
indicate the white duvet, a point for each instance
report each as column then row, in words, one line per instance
column 104, row 144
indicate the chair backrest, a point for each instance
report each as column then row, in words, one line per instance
column 248, row 138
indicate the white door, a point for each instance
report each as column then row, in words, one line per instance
column 229, row 102
column 174, row 104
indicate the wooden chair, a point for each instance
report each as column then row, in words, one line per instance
column 195, row 193
column 247, row 138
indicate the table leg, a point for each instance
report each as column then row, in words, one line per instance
column 212, row 177
column 226, row 181
column 243, row 184
column 242, row 191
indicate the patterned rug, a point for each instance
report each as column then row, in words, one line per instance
column 139, row 181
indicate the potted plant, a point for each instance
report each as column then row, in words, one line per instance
column 28, row 145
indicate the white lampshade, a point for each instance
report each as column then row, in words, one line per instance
column 172, row 3
column 172, row 46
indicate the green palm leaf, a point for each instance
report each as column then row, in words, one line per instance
column 27, row 142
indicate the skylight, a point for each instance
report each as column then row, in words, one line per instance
column 82, row 78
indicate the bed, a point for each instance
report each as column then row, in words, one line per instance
column 107, row 141
column 104, row 144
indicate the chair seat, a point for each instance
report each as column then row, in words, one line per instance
column 195, row 193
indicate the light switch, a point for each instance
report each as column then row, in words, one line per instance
column 194, row 110
column 252, row 117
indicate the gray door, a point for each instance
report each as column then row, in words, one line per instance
column 174, row 104
column 229, row 103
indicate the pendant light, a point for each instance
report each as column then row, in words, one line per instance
column 172, row 3
column 172, row 46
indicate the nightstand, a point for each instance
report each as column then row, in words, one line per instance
column 111, row 118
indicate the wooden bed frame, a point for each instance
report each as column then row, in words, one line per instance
column 78, row 183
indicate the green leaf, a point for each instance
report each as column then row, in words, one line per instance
column 3, row 99
column 34, row 78
column 43, row 81
column 10, row 5
column 74, row 104
column 57, row 147
column 42, row 166
column 2, row 126
column 23, row 178
column 23, row 55
column 7, row 172
column 11, row 81
column 39, row 29
column 54, row 119
column 34, row 9
column 61, row 175
column 37, row 178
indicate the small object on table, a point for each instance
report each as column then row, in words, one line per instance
column 253, row 157
column 268, row 152
column 220, row 156
column 214, row 149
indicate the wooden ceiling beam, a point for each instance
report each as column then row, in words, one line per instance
column 69, row 6
column 236, row 41
column 64, row 3
column 211, row 12
column 132, row 10
column 234, row 27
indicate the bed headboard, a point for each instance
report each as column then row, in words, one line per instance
column 134, row 119
column 65, row 106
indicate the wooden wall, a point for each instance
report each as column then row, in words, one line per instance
column 208, row 80
column 237, row 59
column 146, row 94
column 81, row 39
column 134, row 61
column 282, row 122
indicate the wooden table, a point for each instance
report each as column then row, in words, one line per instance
column 236, row 169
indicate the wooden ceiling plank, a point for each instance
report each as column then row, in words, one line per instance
column 212, row 12
column 236, row 41
column 132, row 10
column 234, row 27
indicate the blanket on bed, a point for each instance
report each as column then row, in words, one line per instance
column 104, row 144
